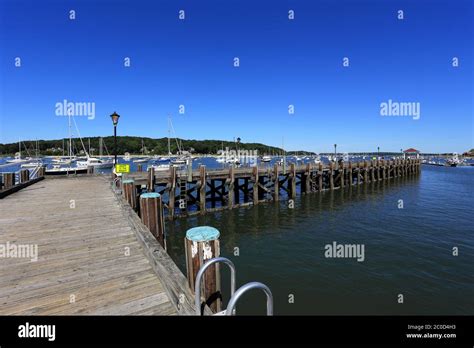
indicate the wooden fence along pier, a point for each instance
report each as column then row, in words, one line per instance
column 188, row 192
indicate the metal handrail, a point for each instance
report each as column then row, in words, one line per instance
column 197, row 283
column 245, row 288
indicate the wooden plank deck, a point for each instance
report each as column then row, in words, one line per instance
column 82, row 254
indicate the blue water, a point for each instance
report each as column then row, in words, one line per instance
column 408, row 251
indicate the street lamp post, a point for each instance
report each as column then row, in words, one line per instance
column 335, row 152
column 378, row 152
column 115, row 117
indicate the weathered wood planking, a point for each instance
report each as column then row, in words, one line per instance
column 87, row 251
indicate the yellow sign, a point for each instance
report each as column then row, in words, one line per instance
column 122, row 168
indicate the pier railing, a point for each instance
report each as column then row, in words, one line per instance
column 11, row 182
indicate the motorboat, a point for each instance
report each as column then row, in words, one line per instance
column 96, row 163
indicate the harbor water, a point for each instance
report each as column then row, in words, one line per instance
column 410, row 229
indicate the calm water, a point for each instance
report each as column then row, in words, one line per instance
column 407, row 251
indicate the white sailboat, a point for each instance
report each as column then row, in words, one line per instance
column 142, row 160
column 17, row 158
column 57, row 169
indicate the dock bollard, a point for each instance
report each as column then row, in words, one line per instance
column 202, row 244
column 130, row 192
column 151, row 209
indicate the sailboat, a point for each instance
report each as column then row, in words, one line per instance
column 96, row 162
column 17, row 158
column 57, row 169
column 142, row 160
column 176, row 162
column 36, row 162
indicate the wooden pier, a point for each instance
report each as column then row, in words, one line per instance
column 93, row 254
column 187, row 193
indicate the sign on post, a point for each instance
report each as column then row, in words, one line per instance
column 122, row 168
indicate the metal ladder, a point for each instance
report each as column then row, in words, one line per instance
column 235, row 295
column 182, row 193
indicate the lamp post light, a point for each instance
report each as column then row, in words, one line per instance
column 335, row 152
column 115, row 118
column 378, row 152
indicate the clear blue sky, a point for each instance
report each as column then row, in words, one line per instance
column 283, row 62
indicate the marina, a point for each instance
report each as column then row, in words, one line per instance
column 87, row 202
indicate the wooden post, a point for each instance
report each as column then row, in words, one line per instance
column 230, row 189
column 130, row 192
column 24, row 176
column 90, row 170
column 383, row 169
column 320, row 177
column 151, row 211
column 372, row 172
column 293, row 180
column 139, row 168
column 350, row 173
column 366, row 174
column 307, row 178
column 358, row 173
column 202, row 189
column 255, row 184
column 276, row 183
column 341, row 173
column 150, row 183
column 331, row 175
column 8, row 180
column 201, row 245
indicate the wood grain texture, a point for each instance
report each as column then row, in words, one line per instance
column 88, row 252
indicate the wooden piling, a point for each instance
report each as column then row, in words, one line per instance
column 372, row 172
column 307, row 179
column 255, row 184
column 202, row 189
column 331, row 175
column 151, row 214
column 366, row 174
column 150, row 182
column 24, row 176
column 341, row 174
column 230, row 188
column 8, row 180
column 130, row 192
column 350, row 173
column 201, row 245
column 320, row 177
column 276, row 183
column 293, row 180
column 139, row 168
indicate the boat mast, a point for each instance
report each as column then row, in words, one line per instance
column 169, row 141
column 70, row 139
column 100, row 147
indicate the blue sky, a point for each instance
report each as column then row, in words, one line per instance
column 282, row 62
